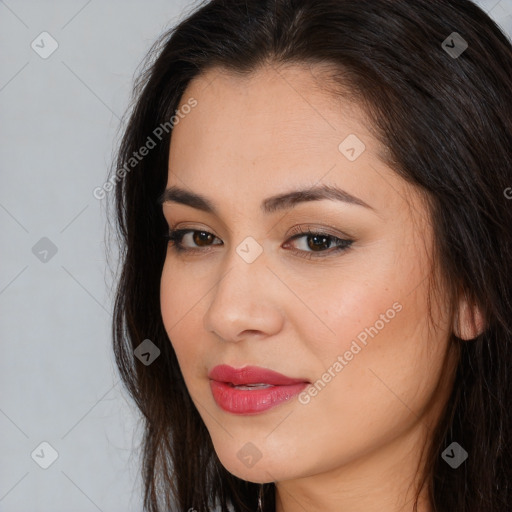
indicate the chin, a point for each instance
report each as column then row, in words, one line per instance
column 261, row 472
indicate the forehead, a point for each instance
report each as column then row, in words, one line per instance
column 272, row 130
column 284, row 109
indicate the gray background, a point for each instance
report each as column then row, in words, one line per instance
column 60, row 119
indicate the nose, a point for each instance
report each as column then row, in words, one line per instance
column 245, row 301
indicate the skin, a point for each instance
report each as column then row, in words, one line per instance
column 356, row 445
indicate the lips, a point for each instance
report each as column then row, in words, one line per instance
column 250, row 375
column 251, row 389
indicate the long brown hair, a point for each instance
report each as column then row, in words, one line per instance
column 446, row 120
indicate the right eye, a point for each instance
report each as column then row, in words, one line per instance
column 199, row 237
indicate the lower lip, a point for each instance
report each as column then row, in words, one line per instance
column 241, row 401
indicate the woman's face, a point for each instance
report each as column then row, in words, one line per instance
column 350, row 319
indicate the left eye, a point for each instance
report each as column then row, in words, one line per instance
column 317, row 242
column 320, row 242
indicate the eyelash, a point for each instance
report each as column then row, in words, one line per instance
column 174, row 238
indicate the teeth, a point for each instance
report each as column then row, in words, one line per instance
column 253, row 386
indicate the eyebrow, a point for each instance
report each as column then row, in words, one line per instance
column 271, row 204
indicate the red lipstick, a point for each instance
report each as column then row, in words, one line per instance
column 251, row 389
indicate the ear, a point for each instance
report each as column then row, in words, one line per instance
column 469, row 321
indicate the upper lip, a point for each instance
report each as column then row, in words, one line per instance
column 250, row 375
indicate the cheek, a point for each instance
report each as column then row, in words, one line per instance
column 170, row 306
column 381, row 356
column 181, row 293
column 374, row 390
column 374, row 297
column 180, row 303
column 372, row 328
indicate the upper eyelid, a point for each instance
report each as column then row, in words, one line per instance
column 298, row 230
column 303, row 226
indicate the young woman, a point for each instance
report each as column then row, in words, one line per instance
column 313, row 201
